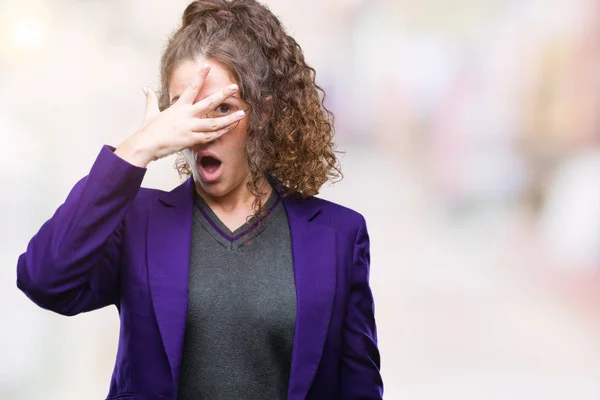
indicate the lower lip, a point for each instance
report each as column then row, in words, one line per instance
column 212, row 175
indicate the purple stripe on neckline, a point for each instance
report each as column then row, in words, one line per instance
column 242, row 234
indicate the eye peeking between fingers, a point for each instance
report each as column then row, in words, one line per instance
column 223, row 110
column 227, row 110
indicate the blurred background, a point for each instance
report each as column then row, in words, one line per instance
column 471, row 131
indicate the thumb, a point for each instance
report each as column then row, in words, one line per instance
column 152, row 108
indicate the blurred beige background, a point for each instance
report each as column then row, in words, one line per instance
column 472, row 138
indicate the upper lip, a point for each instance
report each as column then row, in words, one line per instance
column 207, row 153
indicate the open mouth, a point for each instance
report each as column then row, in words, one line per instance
column 210, row 164
column 209, row 167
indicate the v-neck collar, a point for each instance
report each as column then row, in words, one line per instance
column 247, row 231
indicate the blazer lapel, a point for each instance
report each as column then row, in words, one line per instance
column 168, row 252
column 313, row 252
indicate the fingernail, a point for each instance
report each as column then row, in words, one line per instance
column 233, row 87
column 240, row 113
column 206, row 67
column 145, row 89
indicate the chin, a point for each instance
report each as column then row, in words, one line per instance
column 213, row 189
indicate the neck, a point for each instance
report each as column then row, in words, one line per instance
column 240, row 199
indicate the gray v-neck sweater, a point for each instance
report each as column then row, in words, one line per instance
column 241, row 308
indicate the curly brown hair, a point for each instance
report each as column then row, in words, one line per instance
column 290, row 131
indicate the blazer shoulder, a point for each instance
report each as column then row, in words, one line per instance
column 180, row 195
column 341, row 215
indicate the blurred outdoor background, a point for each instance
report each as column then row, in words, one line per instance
column 471, row 131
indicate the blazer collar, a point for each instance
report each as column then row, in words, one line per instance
column 180, row 196
column 302, row 208
column 299, row 207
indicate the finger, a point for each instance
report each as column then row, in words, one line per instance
column 207, row 137
column 152, row 108
column 211, row 102
column 215, row 124
column 191, row 91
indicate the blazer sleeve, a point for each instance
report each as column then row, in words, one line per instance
column 360, row 376
column 72, row 264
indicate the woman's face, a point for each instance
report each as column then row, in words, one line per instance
column 219, row 167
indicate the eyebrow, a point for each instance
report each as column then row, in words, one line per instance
column 174, row 99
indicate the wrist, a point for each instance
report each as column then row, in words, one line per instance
column 135, row 152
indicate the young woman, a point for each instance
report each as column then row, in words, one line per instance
column 238, row 284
